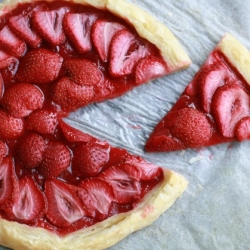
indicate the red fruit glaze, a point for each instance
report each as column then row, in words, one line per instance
column 50, row 65
column 214, row 108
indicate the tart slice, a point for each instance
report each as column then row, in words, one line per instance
column 68, row 190
column 215, row 106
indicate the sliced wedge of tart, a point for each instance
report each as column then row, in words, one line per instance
column 61, row 188
column 215, row 106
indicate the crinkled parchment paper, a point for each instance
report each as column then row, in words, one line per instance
column 213, row 213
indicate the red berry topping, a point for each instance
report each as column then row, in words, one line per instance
column 71, row 96
column 49, row 25
column 77, row 28
column 124, row 180
column 149, row 68
column 74, row 135
column 10, row 43
column 242, row 129
column 56, row 159
column 30, row 149
column 97, row 196
column 20, row 25
column 42, row 121
column 9, row 183
column 21, row 99
column 89, row 158
column 10, row 127
column 30, row 204
column 102, row 34
column 191, row 127
column 83, row 72
column 230, row 104
column 39, row 66
column 64, row 205
column 163, row 143
column 125, row 52
column 6, row 60
column 3, row 150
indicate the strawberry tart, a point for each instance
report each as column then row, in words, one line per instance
column 62, row 188
column 215, row 106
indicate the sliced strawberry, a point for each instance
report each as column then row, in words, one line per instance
column 20, row 25
column 97, row 196
column 89, row 158
column 64, row 205
column 22, row 99
column 242, row 129
column 163, row 143
column 77, row 28
column 49, row 25
column 125, row 52
column 9, row 183
column 191, row 127
column 230, row 104
column 42, row 121
column 30, row 149
column 104, row 89
column 102, row 34
column 210, row 79
column 56, row 158
column 83, row 72
column 30, row 204
column 70, row 96
column 39, row 66
column 124, row 180
column 11, row 43
column 148, row 69
column 148, row 171
column 6, row 60
column 10, row 127
column 74, row 135
column 3, row 150
column 1, row 86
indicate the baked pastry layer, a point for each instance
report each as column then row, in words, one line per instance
column 103, row 234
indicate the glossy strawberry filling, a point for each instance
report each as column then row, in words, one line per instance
column 214, row 108
column 54, row 58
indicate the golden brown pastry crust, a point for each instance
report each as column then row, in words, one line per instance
column 112, row 230
column 103, row 234
column 237, row 54
column 145, row 24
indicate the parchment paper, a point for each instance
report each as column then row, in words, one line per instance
column 214, row 211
